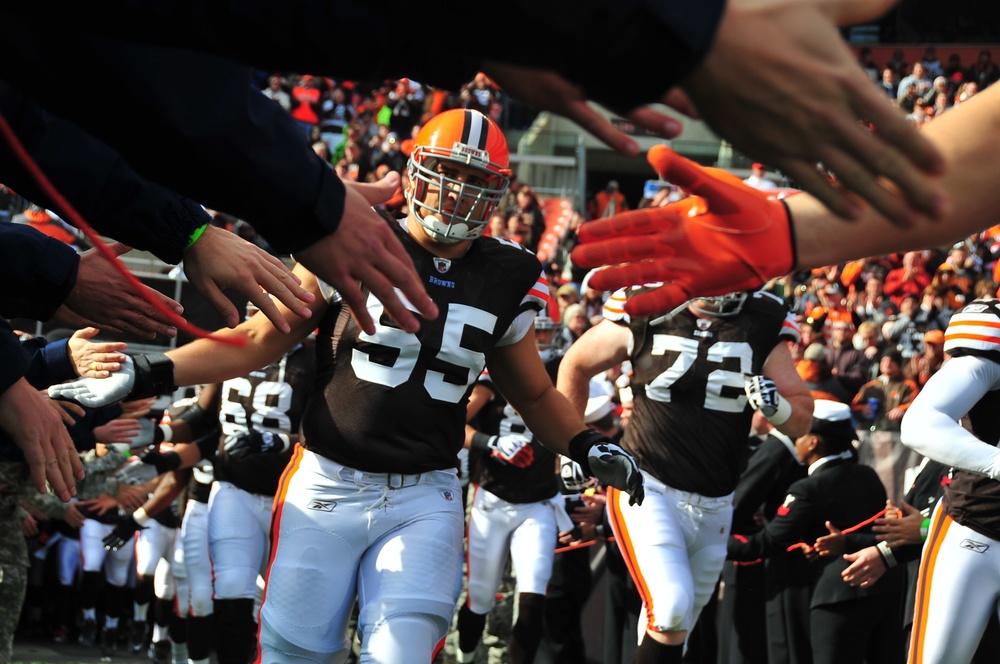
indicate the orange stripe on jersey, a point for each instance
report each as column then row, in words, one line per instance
column 972, row 337
column 276, row 510
column 624, row 542
column 922, row 603
column 959, row 319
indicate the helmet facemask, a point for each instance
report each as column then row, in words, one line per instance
column 722, row 306
column 472, row 204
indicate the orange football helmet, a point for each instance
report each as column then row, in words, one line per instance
column 468, row 138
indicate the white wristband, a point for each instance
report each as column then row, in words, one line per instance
column 141, row 517
column 887, row 555
column 783, row 413
column 168, row 432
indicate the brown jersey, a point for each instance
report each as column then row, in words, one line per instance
column 269, row 399
column 395, row 401
column 691, row 419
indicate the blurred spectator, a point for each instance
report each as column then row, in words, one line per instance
column 609, row 201
column 880, row 405
column 814, row 370
column 592, row 300
column 931, row 63
column 954, row 69
column 336, row 112
column 50, row 224
column 406, row 107
column 869, row 341
column 917, row 81
column 566, row 295
column 498, row 226
column 898, row 63
column 305, row 100
column 390, row 154
column 275, row 90
column 575, row 320
column 966, row 91
column 917, row 315
column 890, row 83
column 322, row 149
column 482, row 95
column 758, row 178
column 925, row 364
column 985, row 72
column 868, row 63
column 848, row 365
column 872, row 304
column 911, row 278
column 527, row 203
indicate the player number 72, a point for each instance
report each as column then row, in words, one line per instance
column 716, row 398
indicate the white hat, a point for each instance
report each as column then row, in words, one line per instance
column 597, row 408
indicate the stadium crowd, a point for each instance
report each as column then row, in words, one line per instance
column 870, row 335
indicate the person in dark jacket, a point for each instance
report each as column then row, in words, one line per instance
column 846, row 624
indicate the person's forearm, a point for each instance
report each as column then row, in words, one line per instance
column 38, row 271
column 967, row 135
column 676, row 35
column 96, row 181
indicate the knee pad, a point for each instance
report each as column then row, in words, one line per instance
column 275, row 647
column 235, row 582
column 482, row 596
column 402, row 638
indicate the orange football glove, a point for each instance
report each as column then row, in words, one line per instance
column 740, row 241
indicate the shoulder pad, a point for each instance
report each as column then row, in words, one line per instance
column 975, row 328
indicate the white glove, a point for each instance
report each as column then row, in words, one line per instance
column 96, row 392
column 514, row 449
column 763, row 395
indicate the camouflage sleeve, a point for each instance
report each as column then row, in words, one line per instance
column 15, row 480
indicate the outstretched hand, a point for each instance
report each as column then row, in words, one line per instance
column 37, row 428
column 103, row 296
column 95, row 359
column 782, row 86
column 549, row 91
column 97, row 392
column 220, row 259
column 365, row 253
column 727, row 238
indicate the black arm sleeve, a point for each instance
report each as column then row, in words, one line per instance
column 205, row 130
column 96, row 180
column 38, row 272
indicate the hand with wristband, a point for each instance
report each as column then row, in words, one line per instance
column 140, row 376
column 762, row 394
column 215, row 260
column 727, row 238
column 600, row 457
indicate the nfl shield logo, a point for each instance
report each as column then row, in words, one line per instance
column 448, row 495
column 442, row 265
column 703, row 323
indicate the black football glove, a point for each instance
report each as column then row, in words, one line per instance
column 140, row 376
column 164, row 462
column 252, row 441
column 609, row 463
column 122, row 534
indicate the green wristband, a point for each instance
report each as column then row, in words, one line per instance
column 924, row 527
column 194, row 236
